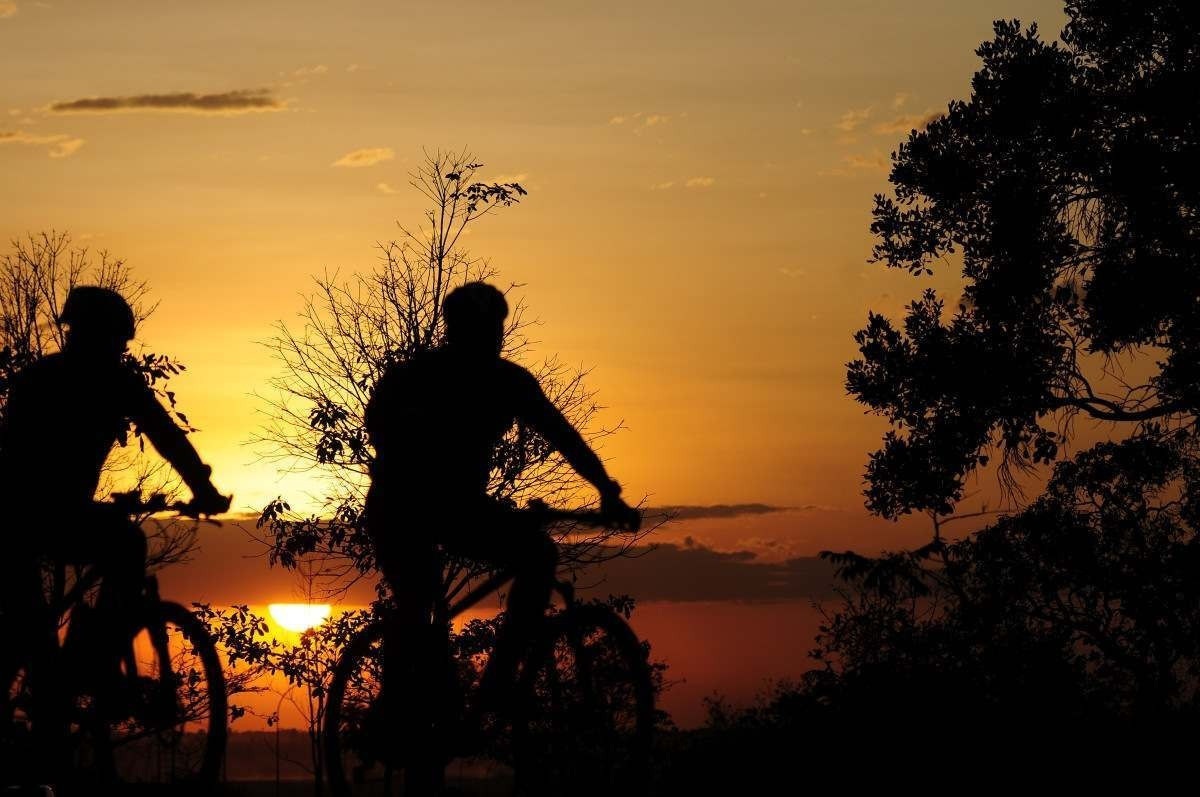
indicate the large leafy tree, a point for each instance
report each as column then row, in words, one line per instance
column 1065, row 191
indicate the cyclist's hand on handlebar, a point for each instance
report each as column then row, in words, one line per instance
column 209, row 501
column 619, row 514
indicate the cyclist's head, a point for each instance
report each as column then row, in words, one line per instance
column 475, row 314
column 97, row 318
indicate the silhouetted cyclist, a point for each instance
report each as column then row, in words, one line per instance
column 435, row 421
column 65, row 412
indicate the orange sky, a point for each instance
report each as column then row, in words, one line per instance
column 700, row 179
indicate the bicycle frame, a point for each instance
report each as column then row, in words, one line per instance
column 497, row 580
column 492, row 584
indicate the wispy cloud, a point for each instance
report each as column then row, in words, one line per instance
column 8, row 8
column 900, row 99
column 309, row 71
column 238, row 101
column 692, row 184
column 858, row 164
column 904, row 123
column 59, row 145
column 302, row 75
column 511, row 178
column 852, row 119
column 792, row 273
column 365, row 157
column 874, row 162
column 384, row 188
column 639, row 122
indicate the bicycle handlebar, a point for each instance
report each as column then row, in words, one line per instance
column 586, row 517
column 134, row 504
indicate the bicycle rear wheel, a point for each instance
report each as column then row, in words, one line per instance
column 372, row 744
column 172, row 725
column 588, row 714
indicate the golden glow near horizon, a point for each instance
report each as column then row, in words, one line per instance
column 299, row 617
column 696, row 231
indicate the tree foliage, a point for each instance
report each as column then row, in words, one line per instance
column 1065, row 191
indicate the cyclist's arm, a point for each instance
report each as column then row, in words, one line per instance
column 540, row 413
column 153, row 420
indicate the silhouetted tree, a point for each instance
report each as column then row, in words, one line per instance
column 351, row 331
column 36, row 274
column 1065, row 192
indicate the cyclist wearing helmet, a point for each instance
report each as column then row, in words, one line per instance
column 64, row 414
column 435, row 421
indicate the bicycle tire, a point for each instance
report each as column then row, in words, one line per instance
column 338, row 739
column 590, row 663
column 200, row 707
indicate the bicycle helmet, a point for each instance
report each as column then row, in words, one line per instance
column 99, row 311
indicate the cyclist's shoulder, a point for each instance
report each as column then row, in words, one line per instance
column 517, row 376
column 48, row 364
column 514, row 370
column 403, row 370
column 399, row 378
column 44, row 369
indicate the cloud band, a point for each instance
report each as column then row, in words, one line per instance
column 238, row 101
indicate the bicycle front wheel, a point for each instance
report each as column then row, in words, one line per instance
column 357, row 743
column 588, row 712
column 171, row 726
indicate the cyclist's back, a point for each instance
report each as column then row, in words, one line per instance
column 435, row 421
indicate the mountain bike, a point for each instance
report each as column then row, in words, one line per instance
column 161, row 719
column 584, row 702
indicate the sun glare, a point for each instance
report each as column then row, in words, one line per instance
column 299, row 617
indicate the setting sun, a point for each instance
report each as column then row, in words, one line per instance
column 299, row 617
